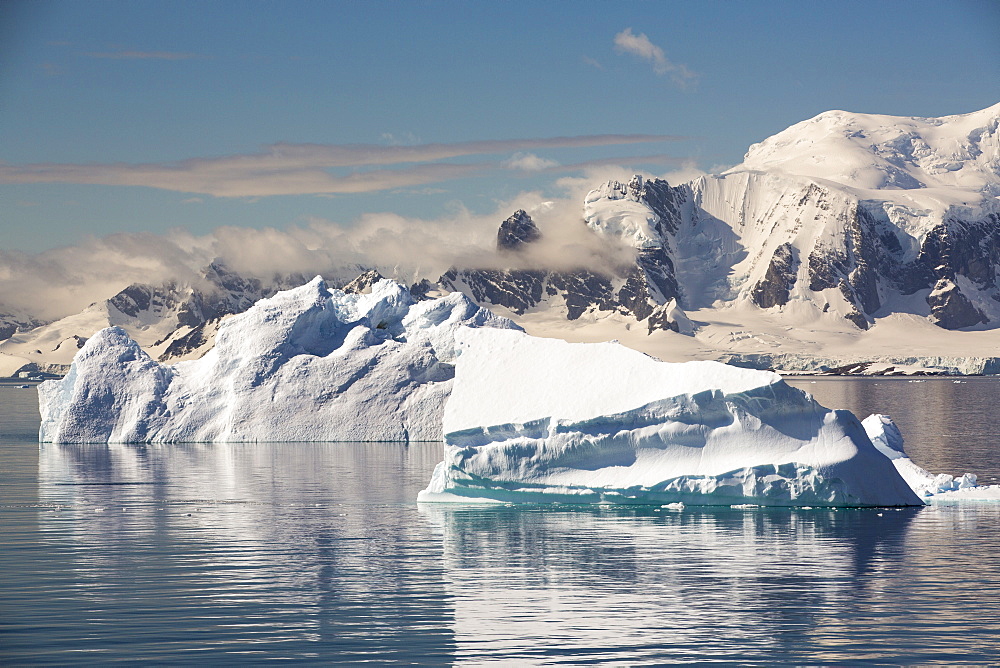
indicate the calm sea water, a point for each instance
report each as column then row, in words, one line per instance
column 244, row 554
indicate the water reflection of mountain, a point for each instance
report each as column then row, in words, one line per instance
column 293, row 550
column 635, row 584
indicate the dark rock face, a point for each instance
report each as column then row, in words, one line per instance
column 634, row 297
column 872, row 262
column 660, row 319
column 227, row 293
column 951, row 309
column 658, row 274
column 517, row 231
column 516, row 289
column 665, row 201
column 582, row 290
column 969, row 248
column 869, row 253
column 420, row 289
column 221, row 292
column 136, row 298
column 650, row 282
column 185, row 344
column 774, row 288
column 12, row 324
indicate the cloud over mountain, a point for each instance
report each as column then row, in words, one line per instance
column 64, row 280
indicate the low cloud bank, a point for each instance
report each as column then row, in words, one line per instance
column 62, row 281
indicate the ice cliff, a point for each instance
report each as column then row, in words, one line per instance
column 534, row 419
column 308, row 364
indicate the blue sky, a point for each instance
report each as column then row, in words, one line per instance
column 150, row 116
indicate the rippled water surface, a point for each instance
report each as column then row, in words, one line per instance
column 233, row 554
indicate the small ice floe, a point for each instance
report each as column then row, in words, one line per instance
column 930, row 487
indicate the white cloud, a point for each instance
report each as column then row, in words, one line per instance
column 640, row 45
column 529, row 162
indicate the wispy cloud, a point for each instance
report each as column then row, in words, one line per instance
column 640, row 45
column 404, row 139
column 142, row 55
column 528, row 162
column 301, row 169
column 593, row 63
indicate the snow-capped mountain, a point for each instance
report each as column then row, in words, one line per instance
column 833, row 242
column 840, row 213
column 639, row 214
column 172, row 321
column 837, row 225
column 13, row 321
column 847, row 211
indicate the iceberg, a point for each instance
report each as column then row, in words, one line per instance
column 543, row 420
column 308, row 364
column 930, row 487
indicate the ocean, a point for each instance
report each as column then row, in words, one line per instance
column 318, row 553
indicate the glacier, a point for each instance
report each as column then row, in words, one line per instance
column 542, row 420
column 308, row 364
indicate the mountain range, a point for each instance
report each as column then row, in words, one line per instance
column 859, row 242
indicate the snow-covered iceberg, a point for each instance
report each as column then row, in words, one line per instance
column 930, row 487
column 309, row 364
column 534, row 419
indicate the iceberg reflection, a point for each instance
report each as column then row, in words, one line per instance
column 638, row 584
column 295, row 551
column 243, row 553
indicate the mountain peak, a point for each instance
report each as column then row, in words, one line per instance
column 517, row 231
column 881, row 152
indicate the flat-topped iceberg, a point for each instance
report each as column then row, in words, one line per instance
column 534, row 419
column 309, row 364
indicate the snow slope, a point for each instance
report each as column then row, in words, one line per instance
column 534, row 419
column 309, row 364
column 868, row 152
